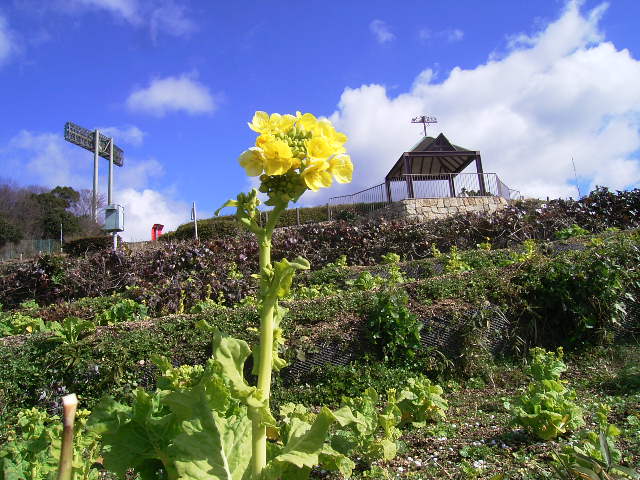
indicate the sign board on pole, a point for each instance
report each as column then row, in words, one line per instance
column 86, row 139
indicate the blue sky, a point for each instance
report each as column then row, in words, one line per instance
column 529, row 84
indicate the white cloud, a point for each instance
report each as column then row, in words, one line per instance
column 7, row 41
column 381, row 31
column 450, row 35
column 454, row 35
column 172, row 19
column 138, row 173
column 46, row 159
column 171, row 94
column 127, row 9
column 159, row 16
column 129, row 134
column 564, row 91
column 143, row 208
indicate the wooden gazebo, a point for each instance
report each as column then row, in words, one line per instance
column 434, row 159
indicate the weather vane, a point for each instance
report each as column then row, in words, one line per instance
column 423, row 119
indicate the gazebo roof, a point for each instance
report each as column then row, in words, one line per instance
column 433, row 156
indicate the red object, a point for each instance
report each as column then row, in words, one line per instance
column 156, row 231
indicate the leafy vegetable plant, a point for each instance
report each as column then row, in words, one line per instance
column 33, row 448
column 218, row 427
column 546, row 408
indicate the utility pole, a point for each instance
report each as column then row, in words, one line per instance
column 195, row 219
column 96, row 153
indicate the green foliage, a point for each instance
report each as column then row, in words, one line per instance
column 53, row 206
column 82, row 246
column 71, row 330
column 530, row 250
column 373, row 433
column 197, row 424
column 455, row 263
column 421, row 402
column 546, row 408
column 32, row 450
column 366, row 281
column 126, row 310
column 9, row 231
column 393, row 330
column 574, row 230
column 596, row 456
column 18, row 323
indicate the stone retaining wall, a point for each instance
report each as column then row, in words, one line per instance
column 423, row 209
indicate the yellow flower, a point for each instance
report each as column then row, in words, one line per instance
column 270, row 124
column 251, row 160
column 278, row 157
column 341, row 168
column 306, row 121
column 319, row 147
column 317, row 176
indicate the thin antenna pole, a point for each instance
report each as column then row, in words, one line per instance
column 575, row 175
column 424, row 119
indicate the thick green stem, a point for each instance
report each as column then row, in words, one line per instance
column 268, row 303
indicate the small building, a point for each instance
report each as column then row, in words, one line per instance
column 429, row 181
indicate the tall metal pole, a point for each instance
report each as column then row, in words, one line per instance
column 110, row 192
column 94, row 203
column 195, row 219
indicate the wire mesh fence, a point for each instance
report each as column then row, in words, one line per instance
column 29, row 248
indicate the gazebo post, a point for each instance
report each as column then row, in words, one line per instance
column 387, row 185
column 406, row 169
column 483, row 189
column 452, row 187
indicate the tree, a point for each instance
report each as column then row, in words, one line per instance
column 54, row 213
column 9, row 232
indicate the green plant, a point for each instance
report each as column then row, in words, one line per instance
column 372, row 435
column 126, row 310
column 530, row 250
column 596, row 456
column 421, row 402
column 70, row 330
column 33, row 447
column 223, row 414
column 18, row 323
column 392, row 328
column 366, row 281
column 574, row 230
column 546, row 408
column 455, row 263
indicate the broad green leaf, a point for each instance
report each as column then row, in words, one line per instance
column 344, row 416
column 134, row 436
column 213, row 447
column 333, row 460
column 231, row 353
column 305, row 441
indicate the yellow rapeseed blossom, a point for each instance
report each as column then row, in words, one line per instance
column 294, row 153
column 278, row 157
column 275, row 123
column 341, row 168
column 317, row 175
column 252, row 161
column 319, row 147
column 306, row 121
